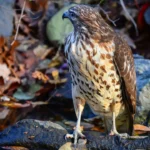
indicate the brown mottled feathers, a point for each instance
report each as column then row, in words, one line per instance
column 124, row 62
column 93, row 50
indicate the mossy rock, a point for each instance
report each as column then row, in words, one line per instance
column 57, row 28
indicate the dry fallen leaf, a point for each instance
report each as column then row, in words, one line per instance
column 10, row 85
column 4, row 72
column 14, row 148
column 140, row 127
column 97, row 128
column 2, row 41
column 55, row 74
column 4, row 98
column 4, row 113
column 14, row 105
column 41, row 51
column 40, row 76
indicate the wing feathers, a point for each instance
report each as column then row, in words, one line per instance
column 125, row 65
column 124, row 62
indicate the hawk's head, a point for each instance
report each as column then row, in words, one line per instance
column 83, row 16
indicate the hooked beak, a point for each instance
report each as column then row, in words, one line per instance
column 65, row 15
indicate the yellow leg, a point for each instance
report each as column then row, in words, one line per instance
column 79, row 106
column 114, row 130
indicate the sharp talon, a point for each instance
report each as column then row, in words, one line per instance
column 68, row 136
column 122, row 135
column 75, row 135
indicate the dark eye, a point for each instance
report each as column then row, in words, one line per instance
column 72, row 14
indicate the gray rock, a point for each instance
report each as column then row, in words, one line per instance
column 34, row 134
column 57, row 28
column 45, row 135
column 47, row 124
column 143, row 87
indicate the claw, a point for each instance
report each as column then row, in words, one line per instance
column 77, row 133
column 67, row 136
column 123, row 135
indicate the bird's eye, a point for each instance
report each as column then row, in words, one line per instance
column 72, row 14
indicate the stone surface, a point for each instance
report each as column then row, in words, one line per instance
column 46, row 135
column 143, row 81
column 34, row 134
column 143, row 88
column 57, row 28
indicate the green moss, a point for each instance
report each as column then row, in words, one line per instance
column 57, row 28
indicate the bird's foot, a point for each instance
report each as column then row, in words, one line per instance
column 76, row 134
column 122, row 135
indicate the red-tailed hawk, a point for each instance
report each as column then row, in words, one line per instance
column 102, row 70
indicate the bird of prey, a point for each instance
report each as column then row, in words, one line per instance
column 102, row 70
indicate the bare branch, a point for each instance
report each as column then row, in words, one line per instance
column 22, row 12
column 129, row 16
column 107, row 16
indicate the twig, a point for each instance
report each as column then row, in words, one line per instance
column 129, row 16
column 51, row 96
column 57, row 54
column 136, row 4
column 107, row 16
column 22, row 11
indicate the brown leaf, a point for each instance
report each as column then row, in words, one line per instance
column 14, row 45
column 40, row 76
column 36, row 5
column 14, row 148
column 55, row 74
column 4, row 72
column 41, row 51
column 15, row 105
column 1, row 81
column 10, row 85
column 97, row 128
column 4, row 113
column 31, row 59
column 139, row 127
column 2, row 41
